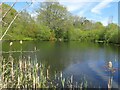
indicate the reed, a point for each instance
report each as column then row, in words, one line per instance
column 27, row 73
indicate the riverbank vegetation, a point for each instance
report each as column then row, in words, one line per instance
column 23, row 72
column 54, row 22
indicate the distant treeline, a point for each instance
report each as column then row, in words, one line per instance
column 54, row 22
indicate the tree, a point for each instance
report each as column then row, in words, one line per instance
column 112, row 33
column 10, row 10
column 78, row 22
column 98, row 25
column 55, row 16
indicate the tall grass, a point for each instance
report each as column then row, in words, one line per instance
column 27, row 73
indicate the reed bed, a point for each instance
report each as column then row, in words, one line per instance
column 30, row 74
column 27, row 73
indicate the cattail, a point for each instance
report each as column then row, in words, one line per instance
column 34, row 82
column 3, row 71
column 11, row 43
column 18, row 81
column 35, row 48
column 20, row 65
column 81, row 85
column 29, row 64
column 30, row 76
column 61, row 75
column 63, row 82
column 25, row 65
column 72, row 79
column 12, row 72
column 47, row 73
column 38, row 78
column 29, row 58
column 21, row 42
column 37, row 66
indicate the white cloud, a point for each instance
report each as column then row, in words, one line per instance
column 97, row 9
column 73, row 6
column 85, row 9
column 98, row 18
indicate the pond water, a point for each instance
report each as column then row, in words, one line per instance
column 79, row 59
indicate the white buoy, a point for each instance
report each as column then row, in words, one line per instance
column 110, row 64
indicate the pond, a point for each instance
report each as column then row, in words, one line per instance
column 82, row 60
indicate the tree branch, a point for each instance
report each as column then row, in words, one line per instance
column 13, row 21
column 9, row 10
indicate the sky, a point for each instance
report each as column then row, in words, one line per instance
column 96, row 10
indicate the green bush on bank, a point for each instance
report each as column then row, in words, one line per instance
column 109, row 36
column 43, row 33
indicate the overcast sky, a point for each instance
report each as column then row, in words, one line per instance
column 96, row 10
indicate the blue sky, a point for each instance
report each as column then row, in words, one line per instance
column 97, row 10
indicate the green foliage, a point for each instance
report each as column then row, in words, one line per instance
column 54, row 22
column 100, row 34
column 55, row 16
column 10, row 15
column 8, row 18
column 112, row 34
column 43, row 33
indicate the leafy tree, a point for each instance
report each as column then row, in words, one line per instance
column 43, row 33
column 78, row 21
column 55, row 16
column 19, row 26
column 6, row 21
column 112, row 33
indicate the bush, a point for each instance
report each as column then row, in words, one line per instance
column 43, row 33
